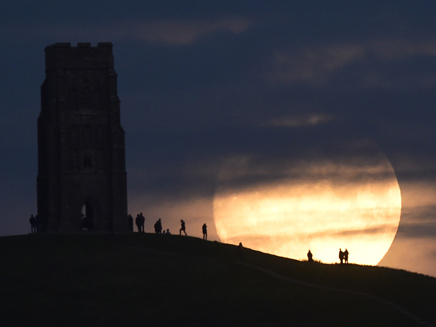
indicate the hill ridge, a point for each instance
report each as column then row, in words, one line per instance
column 132, row 279
column 274, row 274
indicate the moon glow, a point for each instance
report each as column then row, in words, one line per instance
column 320, row 206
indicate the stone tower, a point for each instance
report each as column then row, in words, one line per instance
column 81, row 182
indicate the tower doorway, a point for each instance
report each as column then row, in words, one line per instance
column 87, row 217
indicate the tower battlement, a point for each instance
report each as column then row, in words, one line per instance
column 63, row 55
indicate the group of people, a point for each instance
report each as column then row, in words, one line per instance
column 139, row 222
column 140, row 225
column 343, row 256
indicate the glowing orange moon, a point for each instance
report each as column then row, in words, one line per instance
column 322, row 206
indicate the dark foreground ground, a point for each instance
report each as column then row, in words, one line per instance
column 152, row 280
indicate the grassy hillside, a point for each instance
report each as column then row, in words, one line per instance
column 157, row 280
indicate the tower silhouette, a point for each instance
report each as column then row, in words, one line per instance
column 81, row 151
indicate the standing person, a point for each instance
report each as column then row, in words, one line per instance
column 182, row 228
column 204, row 228
column 37, row 224
column 158, row 226
column 346, row 256
column 142, row 221
column 138, row 222
column 309, row 256
column 32, row 221
column 341, row 256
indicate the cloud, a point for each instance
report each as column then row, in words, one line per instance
column 418, row 222
column 314, row 65
column 301, row 121
column 317, row 65
column 168, row 32
column 353, row 163
column 181, row 33
column 399, row 49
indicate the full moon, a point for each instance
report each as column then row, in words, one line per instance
column 322, row 205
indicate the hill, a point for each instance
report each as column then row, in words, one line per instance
column 159, row 280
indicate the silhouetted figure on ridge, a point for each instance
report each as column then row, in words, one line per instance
column 168, row 232
column 346, row 256
column 341, row 256
column 33, row 228
column 140, row 222
column 158, row 226
column 182, row 228
column 309, row 256
column 37, row 224
column 204, row 229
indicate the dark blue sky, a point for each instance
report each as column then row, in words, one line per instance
column 201, row 81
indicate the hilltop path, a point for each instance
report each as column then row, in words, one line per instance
column 404, row 312
column 272, row 273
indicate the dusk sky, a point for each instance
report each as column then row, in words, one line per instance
column 276, row 84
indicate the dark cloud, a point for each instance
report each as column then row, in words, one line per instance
column 418, row 222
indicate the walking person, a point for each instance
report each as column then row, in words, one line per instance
column 182, row 228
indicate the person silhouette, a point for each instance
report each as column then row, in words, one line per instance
column 138, row 222
column 309, row 256
column 158, row 226
column 37, row 223
column 142, row 221
column 341, row 256
column 204, row 229
column 346, row 256
column 182, row 228
column 32, row 221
